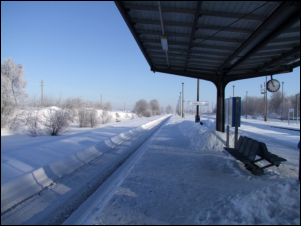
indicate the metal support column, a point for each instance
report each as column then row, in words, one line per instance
column 197, row 116
column 220, row 111
column 183, row 100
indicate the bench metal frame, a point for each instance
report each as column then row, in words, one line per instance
column 247, row 150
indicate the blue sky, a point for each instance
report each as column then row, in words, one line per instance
column 85, row 49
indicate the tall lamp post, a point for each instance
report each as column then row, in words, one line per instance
column 180, row 104
column 282, row 103
column 183, row 100
column 297, row 105
column 264, row 91
column 266, row 99
column 197, row 116
column 246, row 105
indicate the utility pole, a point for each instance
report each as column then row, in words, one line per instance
column 182, row 99
column 42, row 84
column 233, row 91
column 180, row 104
column 282, row 103
column 247, row 105
column 297, row 106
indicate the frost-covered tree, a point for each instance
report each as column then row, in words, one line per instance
column 275, row 102
column 12, row 88
column 107, row 106
column 169, row 109
column 155, row 107
column 105, row 117
column 142, row 108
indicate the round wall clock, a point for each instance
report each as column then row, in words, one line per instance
column 273, row 85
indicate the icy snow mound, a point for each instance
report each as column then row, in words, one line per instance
column 203, row 137
column 275, row 204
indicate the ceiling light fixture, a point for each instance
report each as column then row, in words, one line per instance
column 164, row 43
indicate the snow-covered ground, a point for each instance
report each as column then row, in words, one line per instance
column 182, row 176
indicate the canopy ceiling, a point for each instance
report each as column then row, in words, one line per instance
column 213, row 39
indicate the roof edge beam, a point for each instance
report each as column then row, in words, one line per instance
column 204, row 76
column 235, row 77
column 130, row 25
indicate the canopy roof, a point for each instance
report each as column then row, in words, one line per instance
column 210, row 39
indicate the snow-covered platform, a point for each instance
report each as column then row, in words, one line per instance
column 185, row 177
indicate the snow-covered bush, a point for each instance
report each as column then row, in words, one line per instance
column 88, row 117
column 33, row 123
column 106, row 117
column 83, row 118
column 56, row 122
column 92, row 115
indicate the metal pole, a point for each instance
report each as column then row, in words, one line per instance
column 247, row 105
column 282, row 103
column 236, row 121
column 297, row 106
column 197, row 117
column 233, row 91
column 180, row 104
column 182, row 99
column 266, row 99
column 228, row 136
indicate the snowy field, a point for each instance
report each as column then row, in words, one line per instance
column 181, row 175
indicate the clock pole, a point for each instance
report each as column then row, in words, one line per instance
column 266, row 100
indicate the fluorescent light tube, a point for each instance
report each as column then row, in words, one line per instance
column 164, row 43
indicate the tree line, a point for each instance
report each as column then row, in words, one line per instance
column 54, row 116
column 255, row 106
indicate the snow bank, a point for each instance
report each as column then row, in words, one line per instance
column 205, row 137
column 276, row 204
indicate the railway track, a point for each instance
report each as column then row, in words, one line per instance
column 78, row 195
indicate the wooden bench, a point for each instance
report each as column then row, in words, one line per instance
column 247, row 150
